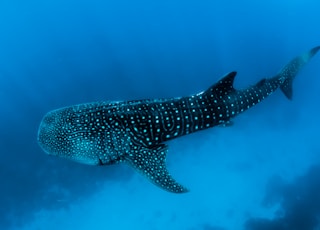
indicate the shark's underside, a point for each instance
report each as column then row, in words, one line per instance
column 135, row 132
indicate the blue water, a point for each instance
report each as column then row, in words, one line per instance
column 261, row 173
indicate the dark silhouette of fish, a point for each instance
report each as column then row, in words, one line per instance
column 135, row 132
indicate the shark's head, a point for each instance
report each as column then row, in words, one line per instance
column 59, row 136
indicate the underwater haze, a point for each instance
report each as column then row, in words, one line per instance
column 261, row 173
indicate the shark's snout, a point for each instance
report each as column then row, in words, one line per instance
column 53, row 133
column 60, row 135
column 47, row 133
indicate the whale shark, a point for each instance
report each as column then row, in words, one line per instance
column 136, row 132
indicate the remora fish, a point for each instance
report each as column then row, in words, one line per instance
column 134, row 132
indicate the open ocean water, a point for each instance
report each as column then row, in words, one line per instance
column 262, row 173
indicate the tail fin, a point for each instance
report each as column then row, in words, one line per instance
column 289, row 71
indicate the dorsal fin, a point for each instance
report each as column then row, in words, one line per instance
column 224, row 86
column 151, row 163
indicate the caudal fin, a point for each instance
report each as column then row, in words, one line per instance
column 289, row 71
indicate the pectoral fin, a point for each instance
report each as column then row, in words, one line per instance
column 151, row 163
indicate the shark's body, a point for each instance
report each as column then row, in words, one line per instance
column 135, row 131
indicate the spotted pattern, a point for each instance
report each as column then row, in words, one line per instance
column 110, row 132
column 104, row 133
